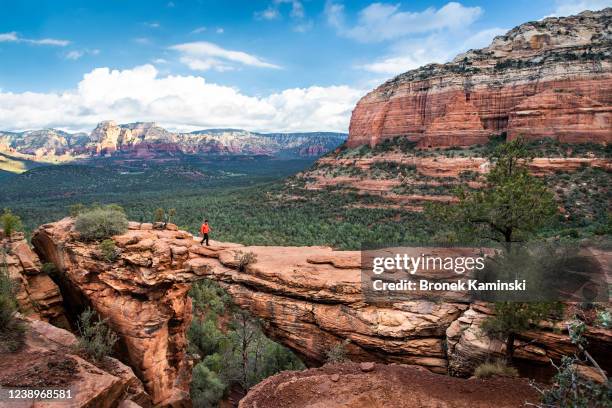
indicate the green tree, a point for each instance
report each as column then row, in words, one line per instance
column 512, row 318
column 510, row 208
column 10, row 222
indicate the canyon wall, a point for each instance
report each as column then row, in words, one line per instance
column 309, row 298
column 549, row 78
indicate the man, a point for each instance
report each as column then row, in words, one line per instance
column 204, row 230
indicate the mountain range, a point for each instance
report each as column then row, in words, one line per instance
column 148, row 140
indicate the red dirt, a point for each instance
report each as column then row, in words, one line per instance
column 387, row 386
column 45, row 370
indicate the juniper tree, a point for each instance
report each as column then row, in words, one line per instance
column 512, row 207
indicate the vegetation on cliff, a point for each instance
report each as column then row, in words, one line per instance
column 11, row 329
column 234, row 353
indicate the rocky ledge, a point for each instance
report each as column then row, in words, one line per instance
column 49, row 360
column 369, row 385
column 309, row 297
column 548, row 78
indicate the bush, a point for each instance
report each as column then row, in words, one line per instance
column 604, row 319
column 109, row 251
column 244, row 259
column 206, row 387
column 338, row 353
column 11, row 330
column 572, row 390
column 497, row 368
column 76, row 209
column 101, row 222
column 96, row 338
column 10, row 223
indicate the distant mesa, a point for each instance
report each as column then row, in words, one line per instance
column 148, row 140
column 548, row 78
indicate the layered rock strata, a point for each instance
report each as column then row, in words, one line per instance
column 38, row 296
column 548, row 78
column 310, row 299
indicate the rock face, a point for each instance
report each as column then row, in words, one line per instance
column 550, row 78
column 147, row 140
column 384, row 386
column 38, row 296
column 309, row 297
column 48, row 360
column 144, row 296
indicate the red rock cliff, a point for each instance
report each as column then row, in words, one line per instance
column 545, row 78
column 309, row 297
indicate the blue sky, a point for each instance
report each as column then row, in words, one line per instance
column 263, row 65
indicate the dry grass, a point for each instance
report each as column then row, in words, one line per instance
column 495, row 369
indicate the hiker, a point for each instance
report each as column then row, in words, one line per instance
column 204, row 230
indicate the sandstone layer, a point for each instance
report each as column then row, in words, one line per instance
column 144, row 296
column 38, row 296
column 310, row 299
column 548, row 78
column 48, row 360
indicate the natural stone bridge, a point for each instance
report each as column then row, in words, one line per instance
column 309, row 297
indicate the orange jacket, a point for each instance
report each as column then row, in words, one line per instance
column 205, row 229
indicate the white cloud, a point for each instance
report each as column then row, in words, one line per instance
column 198, row 30
column 9, row 37
column 160, row 61
column 219, row 30
column 439, row 47
column 77, row 54
column 14, row 37
column 380, row 21
column 272, row 12
column 152, row 24
column 177, row 102
column 203, row 55
column 74, row 55
column 570, row 7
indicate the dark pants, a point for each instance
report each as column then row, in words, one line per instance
column 204, row 238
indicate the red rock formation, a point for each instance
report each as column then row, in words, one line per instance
column 551, row 78
column 144, row 296
column 310, row 298
column 38, row 296
column 48, row 360
column 379, row 386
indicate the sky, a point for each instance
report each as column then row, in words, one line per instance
column 270, row 65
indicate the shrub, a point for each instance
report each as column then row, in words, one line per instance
column 11, row 330
column 96, row 338
column 101, row 222
column 604, row 319
column 76, row 209
column 244, row 259
column 49, row 268
column 206, row 387
column 497, row 368
column 109, row 251
column 10, row 222
column 572, row 390
column 338, row 352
